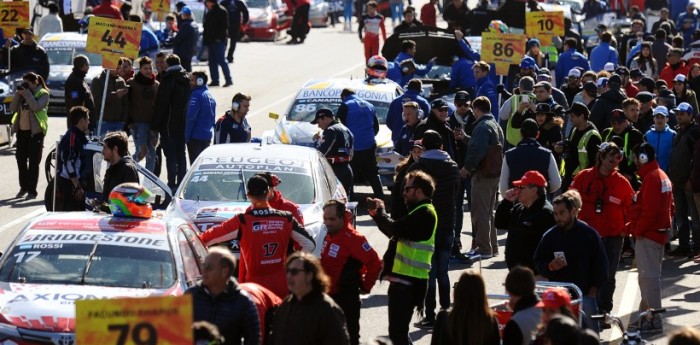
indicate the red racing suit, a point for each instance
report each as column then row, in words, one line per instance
column 614, row 195
column 265, row 302
column 651, row 214
column 278, row 203
column 264, row 235
column 372, row 25
column 349, row 260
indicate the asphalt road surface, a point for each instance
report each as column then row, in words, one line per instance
column 272, row 73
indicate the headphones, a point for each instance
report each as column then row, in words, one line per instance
column 404, row 69
column 643, row 156
column 235, row 105
column 199, row 81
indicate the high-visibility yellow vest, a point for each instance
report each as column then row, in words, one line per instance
column 513, row 134
column 582, row 153
column 41, row 115
column 413, row 259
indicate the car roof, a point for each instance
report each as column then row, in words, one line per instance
column 64, row 40
column 355, row 84
column 249, row 150
column 89, row 221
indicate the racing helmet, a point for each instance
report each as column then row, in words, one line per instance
column 377, row 66
column 129, row 200
column 499, row 27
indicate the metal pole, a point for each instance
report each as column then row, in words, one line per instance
column 55, row 174
column 500, row 81
column 102, row 107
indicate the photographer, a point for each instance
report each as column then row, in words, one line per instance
column 30, row 122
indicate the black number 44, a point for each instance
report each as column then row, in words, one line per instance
column 119, row 39
column 137, row 333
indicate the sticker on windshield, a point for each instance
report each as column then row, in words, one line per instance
column 334, row 94
column 46, row 237
column 254, row 164
column 63, row 45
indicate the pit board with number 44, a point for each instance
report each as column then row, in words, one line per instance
column 502, row 50
column 13, row 15
column 113, row 38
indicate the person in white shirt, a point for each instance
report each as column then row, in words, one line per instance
column 51, row 23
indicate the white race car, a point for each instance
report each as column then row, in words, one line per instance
column 214, row 188
column 64, row 257
column 295, row 127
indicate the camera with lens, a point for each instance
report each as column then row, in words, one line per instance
column 21, row 85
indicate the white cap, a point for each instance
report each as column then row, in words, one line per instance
column 574, row 72
column 610, row 67
column 679, row 77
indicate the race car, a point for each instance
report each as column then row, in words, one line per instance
column 268, row 20
column 60, row 258
column 295, row 127
column 214, row 188
column 318, row 13
column 7, row 91
column 61, row 48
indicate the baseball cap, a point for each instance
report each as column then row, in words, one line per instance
column 543, row 108
column 438, row 104
column 528, row 62
column 609, row 67
column 679, row 77
column 257, row 185
column 666, row 93
column 644, row 96
column 590, row 86
column 664, row 111
column 636, row 73
column 555, row 298
column 418, row 143
column 683, row 107
column 622, row 70
column 272, row 179
column 601, row 82
column 186, row 10
column 321, row 113
column 29, row 30
column 462, row 96
column 618, row 116
column 531, row 178
column 431, row 140
column 578, row 108
column 574, row 72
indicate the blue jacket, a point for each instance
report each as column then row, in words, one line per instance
column 677, row 7
column 663, row 143
column 690, row 18
column 421, row 70
column 593, row 9
column 394, row 73
column 185, row 42
column 568, row 60
column 394, row 119
column 601, row 55
column 461, row 75
column 484, row 87
column 200, row 115
column 163, row 34
column 149, row 43
column 404, row 142
column 360, row 118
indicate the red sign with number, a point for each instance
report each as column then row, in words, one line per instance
column 113, row 38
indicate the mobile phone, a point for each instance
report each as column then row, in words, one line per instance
column 559, row 255
column 371, row 204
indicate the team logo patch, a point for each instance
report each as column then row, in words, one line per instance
column 74, row 95
column 366, row 246
column 333, row 250
column 259, row 226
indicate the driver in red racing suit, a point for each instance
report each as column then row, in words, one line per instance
column 264, row 234
column 277, row 202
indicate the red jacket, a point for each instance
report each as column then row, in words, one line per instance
column 106, row 9
column 349, row 260
column 265, row 302
column 668, row 73
column 654, row 206
column 614, row 191
column 631, row 90
column 264, row 235
column 428, row 15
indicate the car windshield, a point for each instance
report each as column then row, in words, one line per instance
column 258, row 3
column 65, row 56
column 131, row 260
column 227, row 186
column 305, row 109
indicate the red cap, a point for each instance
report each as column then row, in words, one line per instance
column 555, row 298
column 532, row 177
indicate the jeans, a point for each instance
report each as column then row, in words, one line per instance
column 195, row 147
column 28, row 156
column 685, row 205
column 465, row 185
column 347, row 13
column 438, row 271
column 216, row 59
column 396, row 8
column 613, row 249
column 142, row 137
column 589, row 306
column 400, row 313
column 108, row 126
column 175, row 160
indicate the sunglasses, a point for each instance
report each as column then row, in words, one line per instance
column 407, row 188
column 294, row 271
column 460, row 104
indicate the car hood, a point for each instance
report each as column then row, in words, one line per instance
column 60, row 73
column 302, row 133
column 257, row 13
column 52, row 307
column 431, row 43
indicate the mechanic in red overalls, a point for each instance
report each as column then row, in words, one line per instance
column 264, row 234
column 372, row 22
column 351, row 263
column 265, row 302
column 277, row 202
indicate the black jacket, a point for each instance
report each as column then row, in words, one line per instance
column 415, row 25
column 468, row 127
column 30, row 57
column 172, row 103
column 444, row 171
column 77, row 92
column 232, row 311
column 337, row 143
column 602, row 110
column 632, row 137
column 123, row 171
column 236, row 9
column 443, row 128
column 314, row 320
column 185, row 42
column 525, row 229
column 215, row 25
column 441, row 335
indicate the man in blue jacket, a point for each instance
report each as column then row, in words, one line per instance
column 401, row 72
column 484, row 85
column 604, row 53
column 687, row 23
column 461, row 76
column 361, row 119
column 394, row 119
column 593, row 8
column 408, row 51
column 149, row 41
column 200, row 116
column 569, row 59
column 185, row 42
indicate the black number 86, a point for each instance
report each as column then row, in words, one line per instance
column 499, row 49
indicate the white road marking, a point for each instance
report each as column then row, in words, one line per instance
column 627, row 304
column 22, row 219
column 285, row 99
